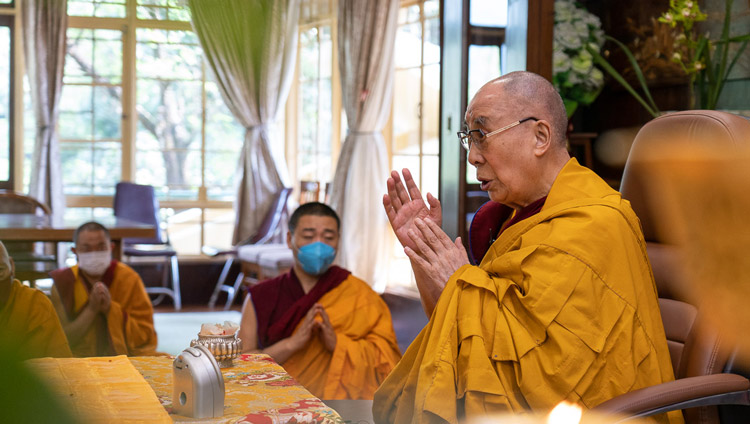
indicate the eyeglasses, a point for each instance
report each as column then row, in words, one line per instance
column 467, row 136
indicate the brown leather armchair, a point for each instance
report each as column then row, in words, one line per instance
column 702, row 356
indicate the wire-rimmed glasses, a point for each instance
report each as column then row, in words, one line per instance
column 468, row 137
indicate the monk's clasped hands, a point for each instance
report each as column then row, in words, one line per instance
column 435, row 252
column 316, row 322
column 100, row 300
column 405, row 204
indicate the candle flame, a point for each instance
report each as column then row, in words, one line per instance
column 565, row 413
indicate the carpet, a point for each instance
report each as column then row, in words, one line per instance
column 175, row 330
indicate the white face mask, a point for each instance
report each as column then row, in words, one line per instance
column 95, row 263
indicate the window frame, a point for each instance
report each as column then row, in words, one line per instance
column 293, row 100
column 422, row 21
column 129, row 25
column 8, row 21
column 396, row 256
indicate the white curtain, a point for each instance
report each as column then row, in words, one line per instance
column 366, row 35
column 251, row 47
column 44, row 36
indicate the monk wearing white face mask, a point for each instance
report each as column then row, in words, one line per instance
column 102, row 303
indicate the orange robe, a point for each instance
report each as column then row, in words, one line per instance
column 29, row 325
column 128, row 328
column 563, row 306
column 366, row 347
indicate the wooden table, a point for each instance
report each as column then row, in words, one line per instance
column 29, row 227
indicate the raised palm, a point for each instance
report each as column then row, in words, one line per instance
column 405, row 204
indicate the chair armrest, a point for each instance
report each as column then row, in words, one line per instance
column 214, row 251
column 715, row 389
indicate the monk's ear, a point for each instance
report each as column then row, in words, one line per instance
column 111, row 246
column 12, row 267
column 542, row 137
column 289, row 239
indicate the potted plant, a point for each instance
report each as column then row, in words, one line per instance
column 707, row 63
column 577, row 34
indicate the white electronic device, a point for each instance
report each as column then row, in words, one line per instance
column 198, row 386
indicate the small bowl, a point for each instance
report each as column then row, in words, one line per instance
column 224, row 348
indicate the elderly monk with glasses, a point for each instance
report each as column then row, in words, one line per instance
column 554, row 301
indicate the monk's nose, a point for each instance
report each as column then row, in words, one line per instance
column 475, row 158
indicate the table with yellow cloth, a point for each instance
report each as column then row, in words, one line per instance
column 258, row 390
column 101, row 390
column 119, row 389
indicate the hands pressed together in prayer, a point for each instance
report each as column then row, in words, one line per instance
column 316, row 322
column 434, row 256
column 99, row 299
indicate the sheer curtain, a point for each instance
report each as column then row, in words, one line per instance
column 44, row 36
column 366, row 35
column 251, row 47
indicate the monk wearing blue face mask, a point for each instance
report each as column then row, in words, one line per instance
column 102, row 303
column 326, row 327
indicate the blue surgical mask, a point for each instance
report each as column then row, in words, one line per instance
column 315, row 258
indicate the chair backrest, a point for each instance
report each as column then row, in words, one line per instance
column 695, row 343
column 138, row 203
column 272, row 219
column 14, row 202
column 309, row 191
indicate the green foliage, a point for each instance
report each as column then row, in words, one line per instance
column 647, row 103
column 706, row 63
column 577, row 33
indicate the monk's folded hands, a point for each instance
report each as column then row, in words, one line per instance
column 404, row 203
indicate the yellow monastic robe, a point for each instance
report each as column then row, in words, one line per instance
column 366, row 347
column 29, row 325
column 562, row 307
column 128, row 328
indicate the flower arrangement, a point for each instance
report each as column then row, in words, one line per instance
column 705, row 62
column 575, row 77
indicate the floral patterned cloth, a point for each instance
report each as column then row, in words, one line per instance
column 258, row 391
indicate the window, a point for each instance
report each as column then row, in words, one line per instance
column 488, row 13
column 138, row 104
column 416, row 101
column 91, row 112
column 6, row 102
column 312, row 100
column 314, row 104
column 488, row 20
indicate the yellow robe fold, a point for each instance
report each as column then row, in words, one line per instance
column 562, row 307
column 29, row 325
column 129, row 325
column 366, row 347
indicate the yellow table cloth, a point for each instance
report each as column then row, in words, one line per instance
column 101, row 390
column 258, row 391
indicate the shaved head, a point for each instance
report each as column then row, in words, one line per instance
column 530, row 92
column 525, row 147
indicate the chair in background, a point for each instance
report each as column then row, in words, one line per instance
column 138, row 203
column 329, row 186
column 260, row 262
column 309, row 191
column 31, row 258
column 703, row 361
column 272, row 221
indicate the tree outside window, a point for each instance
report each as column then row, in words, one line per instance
column 139, row 104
